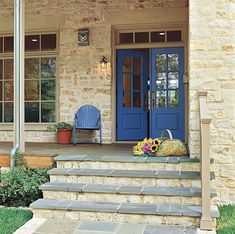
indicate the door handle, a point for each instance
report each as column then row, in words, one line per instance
column 153, row 100
column 146, row 103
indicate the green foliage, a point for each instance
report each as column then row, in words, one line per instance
column 12, row 219
column 21, row 187
column 20, row 160
column 226, row 222
column 61, row 125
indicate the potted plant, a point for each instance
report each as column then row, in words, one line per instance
column 63, row 130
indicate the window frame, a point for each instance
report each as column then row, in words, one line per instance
column 36, row 54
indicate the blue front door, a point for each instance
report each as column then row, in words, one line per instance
column 150, row 98
column 167, row 92
column 132, row 121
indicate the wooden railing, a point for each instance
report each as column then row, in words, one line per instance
column 206, row 220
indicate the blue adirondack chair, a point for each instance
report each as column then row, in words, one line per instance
column 87, row 118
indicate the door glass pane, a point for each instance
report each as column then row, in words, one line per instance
column 1, row 69
column 160, row 62
column 0, row 90
column 1, row 112
column 141, row 37
column 32, row 43
column 31, row 112
column 173, row 62
column 8, row 112
column 126, row 67
column 137, row 82
column 137, row 99
column 125, row 38
column 161, row 80
column 32, row 68
column 1, row 44
column 173, row 80
column 173, row 98
column 126, row 101
column 137, row 64
column 160, row 98
column 126, row 82
column 32, row 90
column 48, row 90
column 8, row 44
column 48, row 112
column 48, row 67
column 48, row 42
column 8, row 72
column 8, row 90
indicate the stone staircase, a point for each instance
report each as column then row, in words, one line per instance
column 124, row 189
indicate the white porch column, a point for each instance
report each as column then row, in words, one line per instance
column 19, row 11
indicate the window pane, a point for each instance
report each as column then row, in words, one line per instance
column 1, row 112
column 1, row 44
column 137, row 82
column 161, row 62
column 32, row 90
column 32, row 43
column 126, row 38
column 31, row 112
column 48, row 67
column 8, row 44
column 126, row 67
column 173, row 98
column 126, row 82
column 48, row 89
column 32, row 68
column 8, row 69
column 173, row 62
column 161, row 99
column 137, row 99
column 161, row 80
column 48, row 112
column 141, row 37
column 8, row 112
column 0, row 90
column 158, row 36
column 8, row 91
column 137, row 64
column 173, row 80
column 1, row 69
column 126, row 99
column 48, row 42
column 173, row 35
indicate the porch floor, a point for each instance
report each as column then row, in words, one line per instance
column 52, row 149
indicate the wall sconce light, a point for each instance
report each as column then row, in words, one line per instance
column 103, row 62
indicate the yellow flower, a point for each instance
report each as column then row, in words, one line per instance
column 145, row 140
column 150, row 141
column 157, row 141
column 154, row 148
column 137, row 150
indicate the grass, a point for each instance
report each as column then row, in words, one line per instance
column 226, row 222
column 11, row 219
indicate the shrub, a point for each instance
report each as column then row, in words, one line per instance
column 21, row 187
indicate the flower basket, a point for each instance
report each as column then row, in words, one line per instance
column 64, row 136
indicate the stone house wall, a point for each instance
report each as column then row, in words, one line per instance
column 211, row 68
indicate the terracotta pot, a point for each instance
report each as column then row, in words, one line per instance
column 64, row 136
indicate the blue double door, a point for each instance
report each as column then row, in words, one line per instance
column 150, row 93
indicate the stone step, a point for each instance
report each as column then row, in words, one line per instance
column 66, row 226
column 120, row 212
column 131, row 162
column 134, row 194
column 126, row 177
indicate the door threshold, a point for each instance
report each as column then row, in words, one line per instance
column 125, row 142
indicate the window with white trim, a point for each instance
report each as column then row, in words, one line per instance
column 40, row 78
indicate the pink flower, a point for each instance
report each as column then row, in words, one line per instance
column 147, row 148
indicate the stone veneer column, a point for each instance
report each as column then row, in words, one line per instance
column 211, row 68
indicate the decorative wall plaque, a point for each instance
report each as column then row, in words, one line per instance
column 83, row 37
